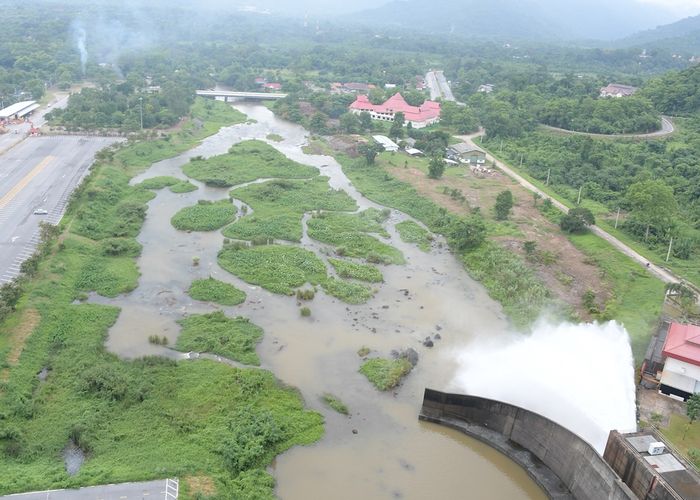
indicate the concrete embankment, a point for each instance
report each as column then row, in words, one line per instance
column 560, row 462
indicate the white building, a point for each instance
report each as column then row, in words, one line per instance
column 387, row 143
column 681, row 374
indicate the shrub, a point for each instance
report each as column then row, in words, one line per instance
column 212, row 290
column 205, row 216
column 335, row 403
column 385, row 374
column 305, row 312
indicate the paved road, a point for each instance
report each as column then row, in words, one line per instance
column 667, row 128
column 661, row 273
column 439, row 88
column 161, row 490
column 38, row 173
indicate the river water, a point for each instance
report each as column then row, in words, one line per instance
column 381, row 451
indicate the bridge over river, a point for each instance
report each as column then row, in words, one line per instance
column 226, row 94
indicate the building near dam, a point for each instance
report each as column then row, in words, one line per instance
column 672, row 360
column 421, row 116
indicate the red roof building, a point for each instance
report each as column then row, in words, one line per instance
column 681, row 374
column 419, row 116
column 683, row 343
column 273, row 86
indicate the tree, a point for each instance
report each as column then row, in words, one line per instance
column 350, row 123
column 692, row 410
column 318, row 123
column 504, row 202
column 436, row 167
column 653, row 208
column 365, row 120
column 467, row 232
column 577, row 220
column 370, row 151
column 396, row 131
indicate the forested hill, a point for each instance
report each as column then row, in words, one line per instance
column 676, row 92
column 519, row 19
column 681, row 36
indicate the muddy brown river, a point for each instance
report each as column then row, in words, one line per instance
column 381, row 451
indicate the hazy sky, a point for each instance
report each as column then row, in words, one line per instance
column 682, row 7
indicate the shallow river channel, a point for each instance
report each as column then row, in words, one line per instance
column 381, row 451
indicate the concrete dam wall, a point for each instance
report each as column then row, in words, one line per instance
column 560, row 462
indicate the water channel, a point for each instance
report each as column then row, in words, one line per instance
column 381, row 451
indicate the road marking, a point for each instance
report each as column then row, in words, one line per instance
column 26, row 180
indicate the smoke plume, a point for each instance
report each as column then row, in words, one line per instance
column 79, row 35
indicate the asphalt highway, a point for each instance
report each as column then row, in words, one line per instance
column 438, row 85
column 164, row 489
column 38, row 173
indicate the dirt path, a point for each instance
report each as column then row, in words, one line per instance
column 667, row 128
column 663, row 274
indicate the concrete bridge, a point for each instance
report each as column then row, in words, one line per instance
column 226, row 94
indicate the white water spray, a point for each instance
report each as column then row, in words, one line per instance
column 580, row 376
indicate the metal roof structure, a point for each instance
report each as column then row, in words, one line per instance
column 18, row 108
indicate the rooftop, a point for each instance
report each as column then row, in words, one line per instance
column 683, row 343
column 397, row 104
column 16, row 108
column 674, row 470
column 465, row 148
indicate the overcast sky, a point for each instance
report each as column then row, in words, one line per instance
column 682, row 7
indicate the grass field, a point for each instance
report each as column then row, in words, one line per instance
column 347, row 291
column 135, row 420
column 215, row 333
column 685, row 438
column 183, row 187
column 348, row 233
column 352, row 270
column 411, row 232
column 205, row 216
column 213, row 290
column 245, row 162
column 280, row 269
column 279, row 205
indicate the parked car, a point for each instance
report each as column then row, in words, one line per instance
column 41, row 211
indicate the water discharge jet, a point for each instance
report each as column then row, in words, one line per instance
column 580, row 376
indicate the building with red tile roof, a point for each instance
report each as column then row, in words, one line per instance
column 681, row 375
column 418, row 116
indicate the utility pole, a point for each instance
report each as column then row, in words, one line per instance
column 617, row 217
column 500, row 150
column 579, row 195
column 141, row 111
column 670, row 246
column 549, row 171
column 521, row 161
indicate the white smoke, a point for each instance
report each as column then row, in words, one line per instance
column 80, row 36
column 580, row 376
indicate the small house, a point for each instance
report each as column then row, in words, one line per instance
column 617, row 90
column 468, row 153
